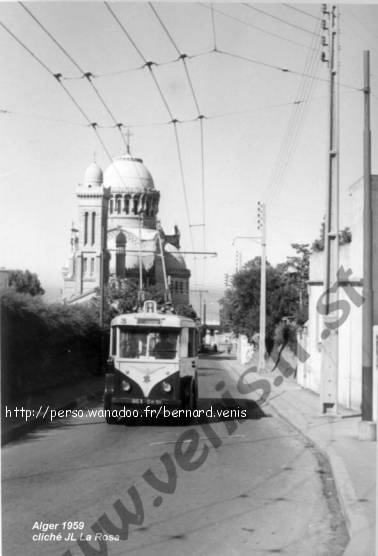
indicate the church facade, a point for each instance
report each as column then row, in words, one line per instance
column 125, row 202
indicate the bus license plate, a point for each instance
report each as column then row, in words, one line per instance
column 144, row 401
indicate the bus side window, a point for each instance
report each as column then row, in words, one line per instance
column 113, row 341
column 184, row 340
column 192, row 352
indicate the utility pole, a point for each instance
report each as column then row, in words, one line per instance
column 329, row 335
column 200, row 303
column 238, row 261
column 104, row 231
column 368, row 305
column 261, row 224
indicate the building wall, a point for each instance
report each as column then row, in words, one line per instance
column 82, row 274
column 350, row 331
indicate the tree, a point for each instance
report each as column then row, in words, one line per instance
column 298, row 270
column 240, row 307
column 122, row 297
column 24, row 281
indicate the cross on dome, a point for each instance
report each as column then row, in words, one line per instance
column 128, row 134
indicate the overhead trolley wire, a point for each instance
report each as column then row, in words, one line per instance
column 290, row 139
column 283, row 69
column 26, row 48
column 87, row 75
column 200, row 118
column 294, row 25
column 304, row 12
column 58, row 77
column 213, row 26
column 294, row 125
column 252, row 26
column 61, row 48
column 149, row 65
column 165, row 28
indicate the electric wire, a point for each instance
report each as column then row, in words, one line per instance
column 252, row 26
column 23, row 45
column 125, row 31
column 138, row 68
column 293, row 130
column 213, row 26
column 166, row 123
column 165, row 28
column 58, row 77
column 289, row 144
column 41, row 117
column 282, row 69
column 149, row 65
column 296, row 119
column 299, row 10
column 294, row 25
column 87, row 75
column 182, row 57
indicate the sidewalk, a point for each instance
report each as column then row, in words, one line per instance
column 353, row 462
column 61, row 397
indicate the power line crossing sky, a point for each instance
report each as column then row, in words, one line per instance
column 227, row 102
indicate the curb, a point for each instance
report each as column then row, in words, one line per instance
column 20, row 430
column 352, row 509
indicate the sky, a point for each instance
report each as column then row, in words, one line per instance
column 265, row 131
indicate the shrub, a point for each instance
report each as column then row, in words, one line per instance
column 46, row 345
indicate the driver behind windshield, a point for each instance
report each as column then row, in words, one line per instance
column 165, row 347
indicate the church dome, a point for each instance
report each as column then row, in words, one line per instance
column 128, row 173
column 93, row 175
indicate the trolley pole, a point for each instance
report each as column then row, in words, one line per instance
column 104, row 230
column 329, row 335
column 262, row 324
column 200, row 291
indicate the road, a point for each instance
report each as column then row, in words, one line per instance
column 214, row 487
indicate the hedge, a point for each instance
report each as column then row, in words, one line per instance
column 46, row 345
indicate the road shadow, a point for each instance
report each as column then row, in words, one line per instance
column 209, row 410
column 219, row 356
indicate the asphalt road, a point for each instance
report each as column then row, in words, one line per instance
column 213, row 487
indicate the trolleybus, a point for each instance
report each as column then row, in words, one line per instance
column 153, row 356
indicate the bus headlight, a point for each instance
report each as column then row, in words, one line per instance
column 167, row 387
column 126, row 386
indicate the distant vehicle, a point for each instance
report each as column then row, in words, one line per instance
column 154, row 361
column 208, row 348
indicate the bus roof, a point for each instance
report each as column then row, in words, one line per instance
column 153, row 319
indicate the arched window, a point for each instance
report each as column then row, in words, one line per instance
column 86, row 228
column 120, row 255
column 93, row 227
column 135, row 204
column 111, row 205
column 127, row 204
column 118, row 204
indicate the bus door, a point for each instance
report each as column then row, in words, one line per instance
column 188, row 351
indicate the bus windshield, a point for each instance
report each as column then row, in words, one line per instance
column 139, row 342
